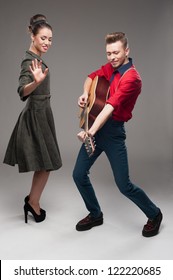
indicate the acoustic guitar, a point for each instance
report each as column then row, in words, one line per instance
column 97, row 97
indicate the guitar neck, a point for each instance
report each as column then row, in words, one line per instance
column 86, row 113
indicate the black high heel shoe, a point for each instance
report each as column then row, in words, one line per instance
column 27, row 208
column 26, row 200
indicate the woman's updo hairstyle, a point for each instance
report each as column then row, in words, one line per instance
column 37, row 22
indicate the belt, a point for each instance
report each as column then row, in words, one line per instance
column 40, row 96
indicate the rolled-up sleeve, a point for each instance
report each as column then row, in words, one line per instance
column 124, row 98
column 24, row 78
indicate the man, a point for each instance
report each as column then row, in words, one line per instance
column 108, row 130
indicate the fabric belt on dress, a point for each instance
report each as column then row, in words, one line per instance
column 40, row 96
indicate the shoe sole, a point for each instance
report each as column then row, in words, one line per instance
column 87, row 227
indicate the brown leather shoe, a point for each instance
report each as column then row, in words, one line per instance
column 152, row 226
column 89, row 222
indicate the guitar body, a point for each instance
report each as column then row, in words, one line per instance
column 98, row 95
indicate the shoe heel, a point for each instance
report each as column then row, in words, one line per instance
column 28, row 208
column 26, row 215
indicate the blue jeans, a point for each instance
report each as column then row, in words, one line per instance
column 110, row 139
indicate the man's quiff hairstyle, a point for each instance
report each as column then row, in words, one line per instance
column 116, row 36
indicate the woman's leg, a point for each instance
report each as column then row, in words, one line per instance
column 38, row 183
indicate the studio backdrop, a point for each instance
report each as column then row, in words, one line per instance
column 79, row 29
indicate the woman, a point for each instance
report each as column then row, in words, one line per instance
column 33, row 144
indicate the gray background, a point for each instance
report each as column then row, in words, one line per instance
column 78, row 48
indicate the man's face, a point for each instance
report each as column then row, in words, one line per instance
column 117, row 55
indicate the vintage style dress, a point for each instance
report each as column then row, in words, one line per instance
column 33, row 144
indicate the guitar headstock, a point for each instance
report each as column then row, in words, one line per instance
column 90, row 145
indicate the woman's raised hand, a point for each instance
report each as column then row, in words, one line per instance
column 36, row 70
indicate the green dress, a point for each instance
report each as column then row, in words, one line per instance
column 33, row 144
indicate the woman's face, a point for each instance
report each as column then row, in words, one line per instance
column 42, row 41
